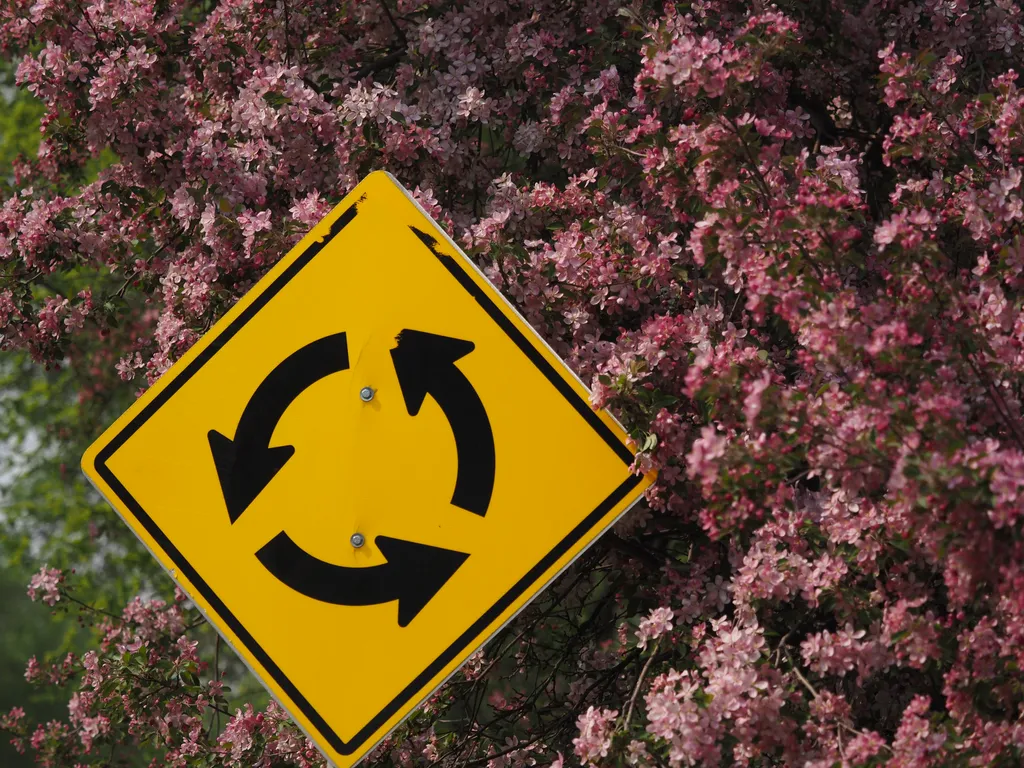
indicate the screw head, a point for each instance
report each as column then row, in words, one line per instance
column 366, row 394
column 357, row 540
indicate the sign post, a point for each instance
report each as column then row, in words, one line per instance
column 366, row 468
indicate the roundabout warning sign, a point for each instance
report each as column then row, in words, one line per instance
column 365, row 469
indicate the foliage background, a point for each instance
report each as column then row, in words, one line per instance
column 783, row 243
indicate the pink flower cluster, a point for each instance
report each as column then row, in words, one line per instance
column 595, row 739
column 785, row 246
column 654, row 626
column 45, row 585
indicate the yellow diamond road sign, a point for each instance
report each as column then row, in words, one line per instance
column 365, row 469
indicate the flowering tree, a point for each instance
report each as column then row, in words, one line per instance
column 782, row 241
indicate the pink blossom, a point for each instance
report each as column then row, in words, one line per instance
column 595, row 739
column 311, row 209
column 706, row 450
column 251, row 223
column 654, row 626
column 782, row 246
column 45, row 585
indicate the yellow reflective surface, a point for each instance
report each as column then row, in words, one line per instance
column 349, row 674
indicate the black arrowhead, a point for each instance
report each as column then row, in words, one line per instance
column 243, row 478
column 419, row 570
column 412, row 575
column 246, row 463
column 425, row 364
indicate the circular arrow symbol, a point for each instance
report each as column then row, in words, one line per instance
column 425, row 365
column 246, row 464
column 414, row 573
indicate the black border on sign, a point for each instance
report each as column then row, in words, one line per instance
column 416, row 687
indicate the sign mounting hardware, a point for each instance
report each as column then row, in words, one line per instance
column 353, row 473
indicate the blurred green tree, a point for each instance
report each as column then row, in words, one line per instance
column 24, row 629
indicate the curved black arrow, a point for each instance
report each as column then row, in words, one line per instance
column 425, row 364
column 413, row 574
column 247, row 463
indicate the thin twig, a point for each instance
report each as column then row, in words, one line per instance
column 798, row 673
column 394, row 24
column 216, row 677
column 93, row 608
column 287, row 35
column 639, row 682
column 632, row 549
column 997, row 399
column 392, row 58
